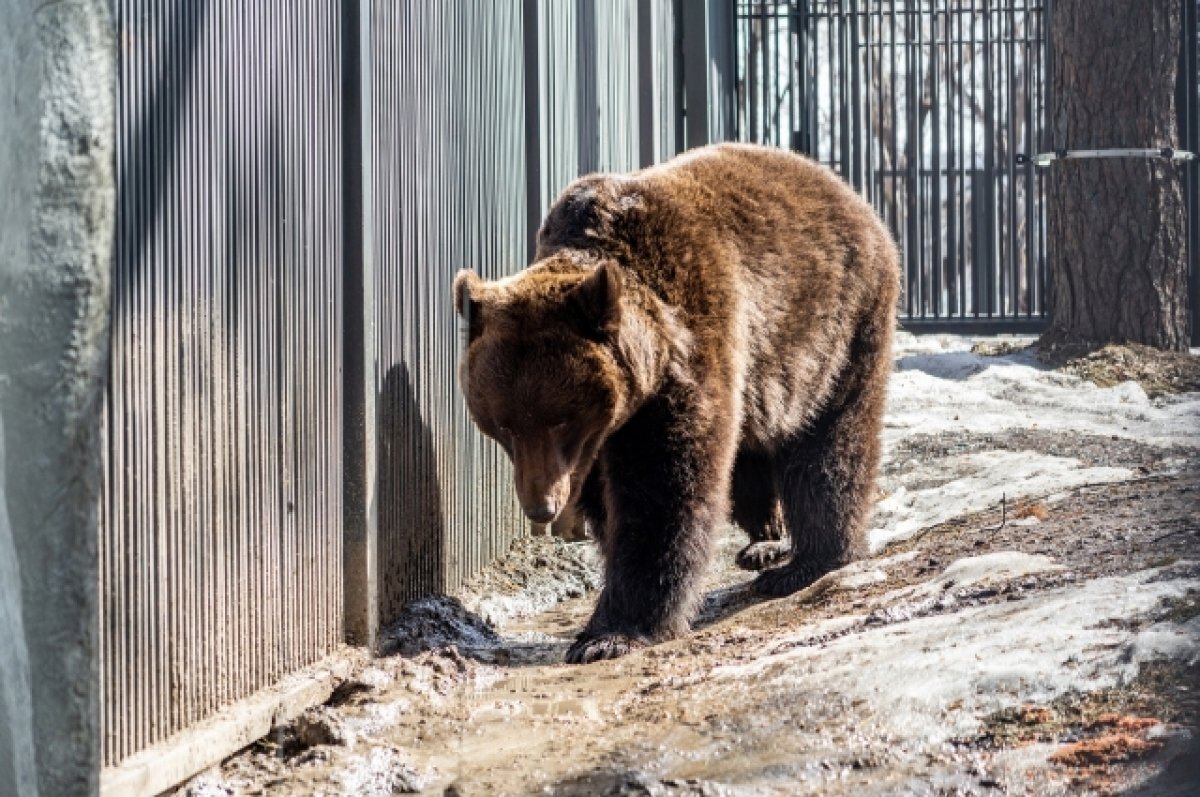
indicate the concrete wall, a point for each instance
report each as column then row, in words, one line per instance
column 56, row 220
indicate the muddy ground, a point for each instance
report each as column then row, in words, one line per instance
column 1029, row 623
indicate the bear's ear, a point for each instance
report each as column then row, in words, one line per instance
column 595, row 303
column 466, row 303
column 465, row 284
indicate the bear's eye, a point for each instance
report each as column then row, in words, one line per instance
column 562, row 434
column 565, row 438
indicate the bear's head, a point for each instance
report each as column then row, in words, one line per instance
column 555, row 360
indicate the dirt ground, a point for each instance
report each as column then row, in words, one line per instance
column 1047, row 643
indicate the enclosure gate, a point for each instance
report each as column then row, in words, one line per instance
column 922, row 105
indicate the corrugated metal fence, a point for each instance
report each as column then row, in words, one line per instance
column 220, row 545
column 287, row 458
column 607, row 89
column 448, row 193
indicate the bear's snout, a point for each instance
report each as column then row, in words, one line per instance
column 542, row 504
column 543, row 479
column 546, row 513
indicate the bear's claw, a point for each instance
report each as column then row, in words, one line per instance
column 587, row 649
column 762, row 554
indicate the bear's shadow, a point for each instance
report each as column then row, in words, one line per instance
column 958, row 366
column 410, row 506
column 725, row 602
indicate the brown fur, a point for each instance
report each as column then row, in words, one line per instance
column 705, row 337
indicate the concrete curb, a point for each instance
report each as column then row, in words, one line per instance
column 207, row 743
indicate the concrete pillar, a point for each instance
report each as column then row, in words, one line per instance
column 56, row 228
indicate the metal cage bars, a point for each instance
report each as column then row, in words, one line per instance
column 922, row 107
column 954, row 92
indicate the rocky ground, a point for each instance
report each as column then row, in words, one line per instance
column 1029, row 623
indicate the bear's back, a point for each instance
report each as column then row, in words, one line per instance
column 774, row 212
column 769, row 258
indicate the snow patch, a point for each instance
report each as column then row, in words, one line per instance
column 863, row 578
column 933, row 678
column 941, row 386
column 1163, row 640
column 382, row 771
column 989, row 569
column 995, row 567
column 934, row 491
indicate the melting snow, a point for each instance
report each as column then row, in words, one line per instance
column 955, row 486
column 940, row 386
column 986, row 656
column 977, row 571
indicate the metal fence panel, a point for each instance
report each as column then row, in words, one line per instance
column 720, row 55
column 565, row 80
column 616, row 80
column 447, row 109
column 922, row 106
column 221, row 514
column 588, row 89
column 658, row 109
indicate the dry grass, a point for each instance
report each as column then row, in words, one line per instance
column 1111, row 748
column 1158, row 372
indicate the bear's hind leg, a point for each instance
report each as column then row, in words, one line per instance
column 827, row 475
column 761, row 554
column 756, row 510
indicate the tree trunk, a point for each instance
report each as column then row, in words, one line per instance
column 1117, row 227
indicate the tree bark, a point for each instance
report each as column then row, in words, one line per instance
column 1117, row 227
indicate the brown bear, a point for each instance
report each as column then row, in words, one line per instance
column 704, row 338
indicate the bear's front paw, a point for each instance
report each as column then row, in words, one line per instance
column 603, row 646
column 761, row 555
column 780, row 581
